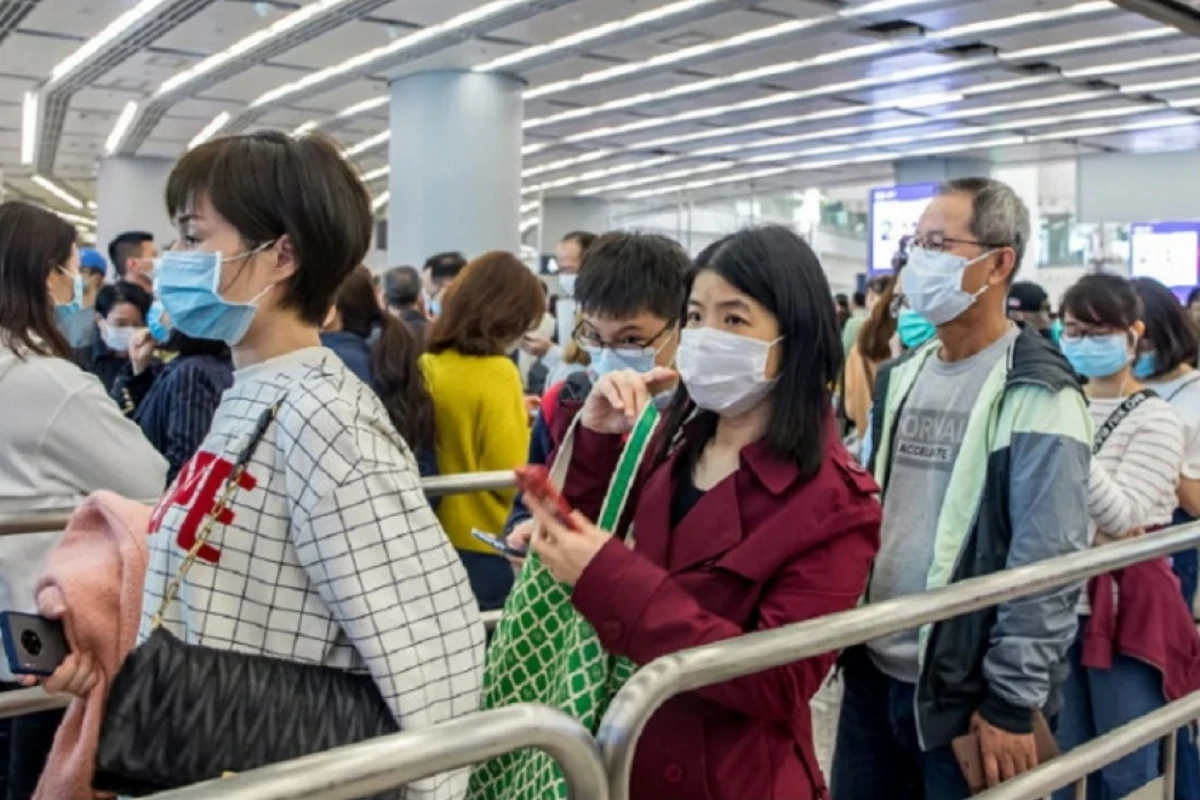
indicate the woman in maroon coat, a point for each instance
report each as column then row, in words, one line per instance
column 755, row 517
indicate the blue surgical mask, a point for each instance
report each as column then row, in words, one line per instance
column 1097, row 356
column 64, row 311
column 160, row 329
column 605, row 360
column 1146, row 366
column 932, row 283
column 913, row 329
column 189, row 287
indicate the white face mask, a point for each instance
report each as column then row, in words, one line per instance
column 723, row 372
column 932, row 282
column 566, row 282
column 118, row 339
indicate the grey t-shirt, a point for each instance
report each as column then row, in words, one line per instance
column 928, row 437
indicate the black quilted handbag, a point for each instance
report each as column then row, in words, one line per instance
column 179, row 714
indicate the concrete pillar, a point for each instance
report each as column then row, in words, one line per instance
column 563, row 215
column 131, row 196
column 936, row 170
column 455, row 154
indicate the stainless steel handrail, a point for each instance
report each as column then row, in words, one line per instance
column 1075, row 766
column 55, row 519
column 670, row 675
column 391, row 761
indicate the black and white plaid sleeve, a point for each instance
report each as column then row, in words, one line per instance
column 379, row 559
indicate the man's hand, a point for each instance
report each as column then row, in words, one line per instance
column 1005, row 755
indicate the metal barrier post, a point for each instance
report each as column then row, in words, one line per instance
column 391, row 761
column 30, row 701
column 754, row 652
column 1075, row 766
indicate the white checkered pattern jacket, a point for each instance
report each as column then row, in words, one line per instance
column 329, row 553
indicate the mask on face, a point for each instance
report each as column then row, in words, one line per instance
column 723, row 372
column 1097, row 356
column 1056, row 329
column 64, row 311
column 118, row 339
column 913, row 329
column 1146, row 366
column 605, row 360
column 566, row 282
column 160, row 329
column 189, row 287
column 932, row 282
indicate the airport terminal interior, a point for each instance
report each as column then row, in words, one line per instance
column 600, row 399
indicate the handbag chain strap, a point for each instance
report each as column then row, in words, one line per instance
column 227, row 492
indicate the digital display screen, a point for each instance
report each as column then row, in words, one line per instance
column 1168, row 252
column 894, row 213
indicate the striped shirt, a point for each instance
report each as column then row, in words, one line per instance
column 1135, row 474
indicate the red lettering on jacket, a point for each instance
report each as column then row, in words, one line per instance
column 196, row 489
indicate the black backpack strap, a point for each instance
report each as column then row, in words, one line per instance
column 1118, row 415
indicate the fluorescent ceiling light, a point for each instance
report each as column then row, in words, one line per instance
column 58, row 191
column 1160, row 86
column 581, row 38
column 563, row 163
column 364, row 106
column 246, row 44
column 91, row 206
column 86, row 222
column 303, row 128
column 596, row 174
column 1089, row 44
column 929, row 101
column 211, row 128
column 531, row 222
column 368, row 144
column 530, row 207
column 117, row 134
column 1132, row 66
column 118, row 27
column 381, row 201
column 376, row 173
column 29, row 127
column 1129, row 127
column 665, row 176
column 364, row 61
column 1017, row 20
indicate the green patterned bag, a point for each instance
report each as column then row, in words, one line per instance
column 544, row 651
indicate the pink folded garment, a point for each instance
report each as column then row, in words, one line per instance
column 93, row 580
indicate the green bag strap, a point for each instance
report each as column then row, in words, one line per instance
column 628, row 467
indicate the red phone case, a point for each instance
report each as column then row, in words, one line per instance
column 534, row 479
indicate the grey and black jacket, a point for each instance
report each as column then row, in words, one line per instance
column 1017, row 495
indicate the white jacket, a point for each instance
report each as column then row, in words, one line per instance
column 61, row 438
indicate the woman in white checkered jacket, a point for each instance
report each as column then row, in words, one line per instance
column 328, row 553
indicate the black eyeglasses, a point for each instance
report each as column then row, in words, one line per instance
column 587, row 338
column 936, row 242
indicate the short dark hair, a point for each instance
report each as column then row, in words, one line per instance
column 122, row 248
column 494, row 302
column 445, row 266
column 1168, row 328
column 1103, row 299
column 859, row 299
column 402, row 287
column 625, row 274
column 778, row 269
column 584, row 239
column 109, row 297
column 33, row 243
column 1193, row 295
column 269, row 185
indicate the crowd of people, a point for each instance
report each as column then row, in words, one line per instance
column 806, row 456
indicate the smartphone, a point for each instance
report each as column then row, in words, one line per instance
column 499, row 545
column 534, row 479
column 34, row 645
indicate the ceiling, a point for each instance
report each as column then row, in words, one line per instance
column 625, row 99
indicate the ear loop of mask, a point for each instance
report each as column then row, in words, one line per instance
column 246, row 257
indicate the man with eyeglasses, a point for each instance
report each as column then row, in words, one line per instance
column 630, row 290
column 981, row 441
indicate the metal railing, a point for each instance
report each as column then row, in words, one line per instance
column 55, row 519
column 391, row 761
column 1075, row 766
column 665, row 677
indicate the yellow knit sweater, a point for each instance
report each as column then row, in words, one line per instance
column 481, row 425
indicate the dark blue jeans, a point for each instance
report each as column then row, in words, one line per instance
column 878, row 755
column 1097, row 701
column 24, row 744
column 491, row 578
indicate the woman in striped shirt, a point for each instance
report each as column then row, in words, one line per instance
column 1137, row 456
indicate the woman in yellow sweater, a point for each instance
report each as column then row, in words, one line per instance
column 480, row 419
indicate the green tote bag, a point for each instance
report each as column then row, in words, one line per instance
column 544, row 651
